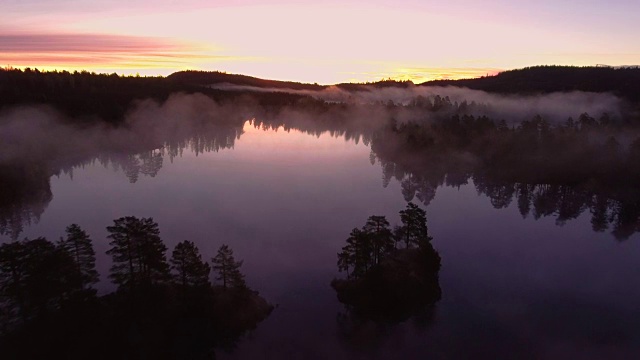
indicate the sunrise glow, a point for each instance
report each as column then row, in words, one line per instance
column 309, row 42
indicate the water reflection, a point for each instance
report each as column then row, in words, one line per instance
column 25, row 188
column 559, row 171
column 286, row 218
column 603, row 182
column 25, row 192
column 611, row 208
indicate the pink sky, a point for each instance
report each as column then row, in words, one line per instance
column 311, row 42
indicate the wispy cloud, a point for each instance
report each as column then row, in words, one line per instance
column 67, row 50
column 39, row 43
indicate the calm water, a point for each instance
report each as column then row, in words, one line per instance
column 285, row 202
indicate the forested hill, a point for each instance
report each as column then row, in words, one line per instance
column 206, row 78
column 84, row 95
column 110, row 96
column 624, row 82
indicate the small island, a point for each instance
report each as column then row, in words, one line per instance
column 161, row 309
column 391, row 275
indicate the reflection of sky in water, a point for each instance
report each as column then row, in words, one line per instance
column 285, row 202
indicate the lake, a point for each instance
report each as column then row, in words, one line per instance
column 285, row 202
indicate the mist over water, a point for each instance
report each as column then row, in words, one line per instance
column 556, row 107
column 39, row 142
column 40, row 132
column 284, row 188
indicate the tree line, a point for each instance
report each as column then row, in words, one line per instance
column 623, row 81
column 37, row 275
column 84, row 94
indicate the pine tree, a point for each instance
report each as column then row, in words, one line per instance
column 188, row 267
column 377, row 228
column 137, row 251
column 356, row 254
column 398, row 235
column 13, row 276
column 78, row 245
column 228, row 268
column 345, row 261
column 414, row 226
column 35, row 275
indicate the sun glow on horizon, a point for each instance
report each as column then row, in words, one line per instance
column 145, row 69
column 324, row 43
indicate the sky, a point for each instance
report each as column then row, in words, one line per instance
column 324, row 42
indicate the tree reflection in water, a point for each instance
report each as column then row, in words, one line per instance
column 560, row 170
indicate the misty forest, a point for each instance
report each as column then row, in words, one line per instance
column 528, row 181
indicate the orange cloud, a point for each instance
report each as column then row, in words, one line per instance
column 160, row 55
column 98, row 50
column 30, row 42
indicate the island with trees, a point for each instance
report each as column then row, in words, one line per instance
column 392, row 274
column 161, row 308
